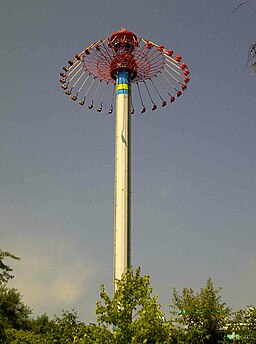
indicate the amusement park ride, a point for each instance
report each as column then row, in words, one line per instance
column 129, row 66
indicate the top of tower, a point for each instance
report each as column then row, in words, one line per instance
column 158, row 70
column 123, row 32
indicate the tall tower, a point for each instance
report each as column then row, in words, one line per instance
column 122, row 210
column 123, row 60
column 123, row 69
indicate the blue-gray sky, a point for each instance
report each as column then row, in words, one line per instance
column 193, row 164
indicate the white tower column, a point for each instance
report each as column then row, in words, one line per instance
column 122, row 248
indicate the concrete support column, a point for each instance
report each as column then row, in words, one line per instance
column 122, row 237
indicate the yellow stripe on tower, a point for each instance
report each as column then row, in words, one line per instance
column 122, row 87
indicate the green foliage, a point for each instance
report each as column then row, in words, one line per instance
column 244, row 325
column 5, row 275
column 14, row 336
column 67, row 328
column 60, row 330
column 13, row 312
column 201, row 317
column 5, row 270
column 132, row 316
column 42, row 324
column 95, row 334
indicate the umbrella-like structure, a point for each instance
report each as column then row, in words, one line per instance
column 128, row 66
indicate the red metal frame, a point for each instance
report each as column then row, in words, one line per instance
column 145, row 60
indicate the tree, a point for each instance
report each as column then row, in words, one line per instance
column 13, row 312
column 67, row 328
column 200, row 317
column 132, row 316
column 60, row 330
column 14, row 336
column 244, row 325
column 16, row 324
column 5, row 270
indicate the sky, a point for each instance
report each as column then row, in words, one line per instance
column 193, row 163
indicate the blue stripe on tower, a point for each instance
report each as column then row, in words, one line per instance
column 122, row 82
